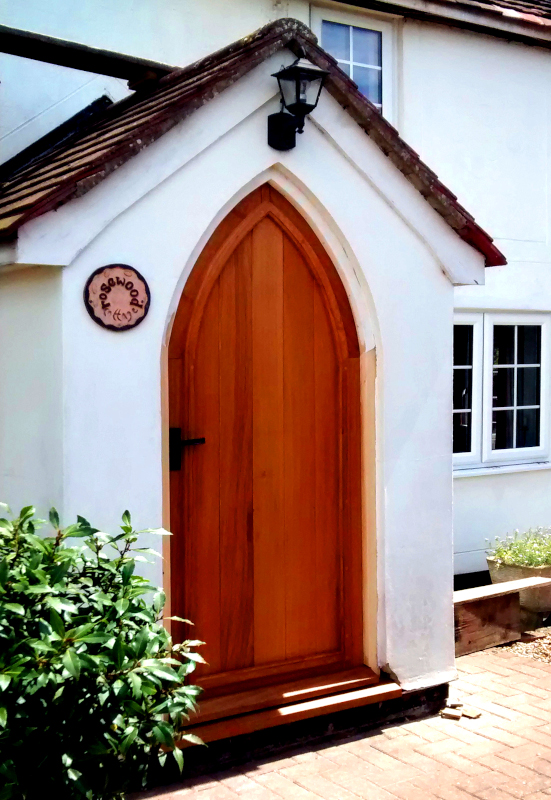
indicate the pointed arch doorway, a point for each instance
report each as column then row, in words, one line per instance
column 266, row 553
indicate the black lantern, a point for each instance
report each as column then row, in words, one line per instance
column 300, row 85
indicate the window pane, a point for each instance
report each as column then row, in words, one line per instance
column 502, row 430
column 366, row 46
column 529, row 344
column 528, row 386
column 463, row 345
column 503, row 387
column 369, row 82
column 528, row 427
column 504, row 344
column 345, row 67
column 335, row 38
column 462, row 388
column 462, row 433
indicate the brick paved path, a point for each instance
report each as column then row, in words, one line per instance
column 505, row 753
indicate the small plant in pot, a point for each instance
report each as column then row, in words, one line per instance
column 525, row 555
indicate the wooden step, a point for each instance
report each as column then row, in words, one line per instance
column 242, row 702
column 486, row 616
column 497, row 589
column 283, row 715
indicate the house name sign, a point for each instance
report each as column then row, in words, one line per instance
column 117, row 297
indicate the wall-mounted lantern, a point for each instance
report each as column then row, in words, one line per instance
column 300, row 86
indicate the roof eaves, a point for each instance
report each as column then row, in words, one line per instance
column 179, row 96
column 347, row 94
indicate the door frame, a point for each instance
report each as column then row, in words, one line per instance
column 356, row 289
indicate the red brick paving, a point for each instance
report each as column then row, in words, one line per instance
column 504, row 754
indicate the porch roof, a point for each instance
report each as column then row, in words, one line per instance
column 129, row 126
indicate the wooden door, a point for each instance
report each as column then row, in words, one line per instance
column 265, row 515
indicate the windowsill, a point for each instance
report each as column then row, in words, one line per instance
column 501, row 469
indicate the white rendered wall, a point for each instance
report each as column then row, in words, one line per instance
column 477, row 110
column 31, row 389
column 384, row 239
column 174, row 33
column 35, row 98
column 475, row 107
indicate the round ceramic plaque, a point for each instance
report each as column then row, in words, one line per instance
column 117, row 297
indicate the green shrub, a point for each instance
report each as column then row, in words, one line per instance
column 529, row 549
column 92, row 689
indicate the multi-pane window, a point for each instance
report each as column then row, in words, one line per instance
column 359, row 53
column 462, row 388
column 516, row 386
column 500, row 404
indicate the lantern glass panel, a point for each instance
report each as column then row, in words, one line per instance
column 312, row 89
column 289, row 91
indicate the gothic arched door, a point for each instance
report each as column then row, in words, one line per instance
column 266, row 517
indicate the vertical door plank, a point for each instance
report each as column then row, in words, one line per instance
column 176, row 406
column 268, row 466
column 352, row 511
column 327, row 455
column 201, row 465
column 300, row 465
column 236, row 502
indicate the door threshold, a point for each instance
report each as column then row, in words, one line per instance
column 246, row 712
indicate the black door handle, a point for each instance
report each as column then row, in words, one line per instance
column 175, row 444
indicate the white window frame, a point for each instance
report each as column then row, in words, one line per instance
column 481, row 454
column 516, row 454
column 388, row 29
column 475, row 455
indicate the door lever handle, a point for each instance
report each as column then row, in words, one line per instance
column 175, row 444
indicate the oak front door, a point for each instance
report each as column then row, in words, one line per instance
column 265, row 514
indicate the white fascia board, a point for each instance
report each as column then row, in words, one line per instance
column 461, row 263
column 60, row 235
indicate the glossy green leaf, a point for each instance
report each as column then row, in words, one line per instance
column 179, row 758
column 192, row 738
column 71, row 662
column 128, row 739
column 122, row 605
column 15, row 608
column 127, row 571
column 57, row 623
column 3, row 572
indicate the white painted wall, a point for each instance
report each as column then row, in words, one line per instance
column 392, row 251
column 475, row 107
column 174, row 32
column 31, row 389
column 35, row 98
column 477, row 110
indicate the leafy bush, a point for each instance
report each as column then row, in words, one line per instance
column 529, row 549
column 92, row 689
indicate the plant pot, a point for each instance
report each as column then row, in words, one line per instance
column 536, row 600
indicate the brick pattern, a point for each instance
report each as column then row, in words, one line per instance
column 504, row 754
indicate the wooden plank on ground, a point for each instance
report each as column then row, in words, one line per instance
column 241, row 702
column 248, row 723
column 487, row 622
column 497, row 589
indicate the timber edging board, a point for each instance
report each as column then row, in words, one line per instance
column 269, row 718
column 486, row 616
